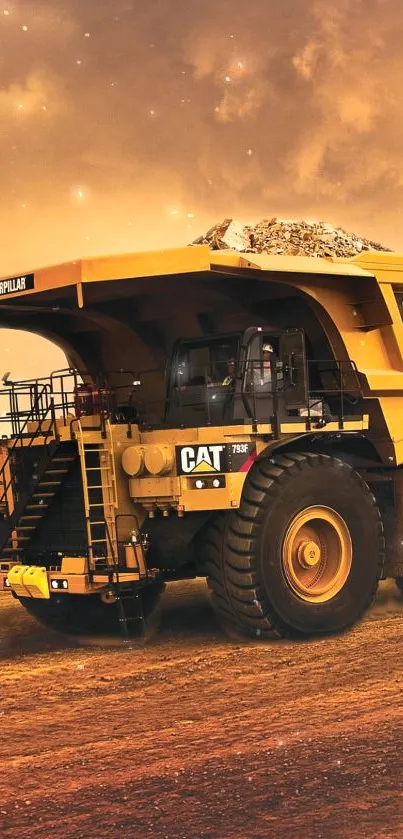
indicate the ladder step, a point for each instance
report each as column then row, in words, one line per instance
column 96, row 468
column 94, row 523
column 56, row 471
column 61, row 458
column 42, row 495
column 25, row 527
column 28, row 518
column 11, row 550
column 35, row 507
column 49, row 483
column 128, row 595
column 130, row 618
column 98, row 540
column 100, row 486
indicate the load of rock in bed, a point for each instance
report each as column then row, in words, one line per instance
column 288, row 237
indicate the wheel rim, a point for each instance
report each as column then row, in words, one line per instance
column 317, row 554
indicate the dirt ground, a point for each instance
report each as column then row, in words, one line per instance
column 198, row 736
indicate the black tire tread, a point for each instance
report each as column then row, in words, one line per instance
column 232, row 543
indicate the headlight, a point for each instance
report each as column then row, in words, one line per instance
column 59, row 584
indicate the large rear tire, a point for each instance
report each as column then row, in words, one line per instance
column 304, row 552
column 87, row 615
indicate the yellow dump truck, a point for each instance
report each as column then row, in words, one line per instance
column 235, row 417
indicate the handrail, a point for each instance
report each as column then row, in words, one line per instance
column 18, row 441
column 140, row 407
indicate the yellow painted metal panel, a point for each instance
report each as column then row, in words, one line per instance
column 205, row 499
column 16, row 579
column 35, row 580
column 54, row 276
column 146, row 264
column 380, row 261
column 197, row 258
column 289, row 264
column 76, row 583
column 74, row 565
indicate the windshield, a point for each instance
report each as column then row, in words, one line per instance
column 203, row 382
column 211, row 363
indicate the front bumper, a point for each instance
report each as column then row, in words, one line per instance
column 39, row 582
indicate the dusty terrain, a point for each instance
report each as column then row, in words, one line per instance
column 197, row 736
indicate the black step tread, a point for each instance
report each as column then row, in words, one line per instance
column 8, row 549
column 131, row 619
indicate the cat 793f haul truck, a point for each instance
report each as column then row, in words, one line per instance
column 235, row 417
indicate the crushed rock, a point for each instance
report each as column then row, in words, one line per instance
column 289, row 237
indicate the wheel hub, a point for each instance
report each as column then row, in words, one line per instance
column 308, row 554
column 317, row 554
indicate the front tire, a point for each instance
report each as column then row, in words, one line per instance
column 304, row 552
column 86, row 615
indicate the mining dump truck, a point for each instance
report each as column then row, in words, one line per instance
column 230, row 416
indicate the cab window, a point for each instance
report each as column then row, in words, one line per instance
column 205, row 364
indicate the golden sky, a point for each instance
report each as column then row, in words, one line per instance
column 128, row 125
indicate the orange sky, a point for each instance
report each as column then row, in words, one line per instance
column 128, row 126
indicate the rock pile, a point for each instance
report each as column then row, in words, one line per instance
column 287, row 236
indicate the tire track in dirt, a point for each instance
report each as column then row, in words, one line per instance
column 198, row 736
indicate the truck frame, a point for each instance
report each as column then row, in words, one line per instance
column 224, row 415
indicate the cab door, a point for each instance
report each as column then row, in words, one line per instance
column 294, row 368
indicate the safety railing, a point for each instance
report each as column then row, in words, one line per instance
column 314, row 389
column 33, row 399
column 71, row 395
column 329, row 385
column 45, row 429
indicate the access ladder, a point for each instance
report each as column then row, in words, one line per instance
column 100, row 494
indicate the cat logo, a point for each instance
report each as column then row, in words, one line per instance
column 194, row 459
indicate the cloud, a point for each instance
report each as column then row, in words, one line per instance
column 232, row 108
column 35, row 95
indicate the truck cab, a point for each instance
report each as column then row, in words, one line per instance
column 257, row 376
